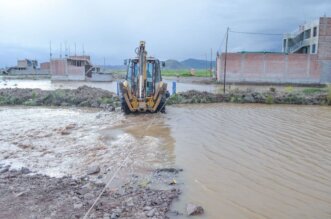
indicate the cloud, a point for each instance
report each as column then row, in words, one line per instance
column 172, row 29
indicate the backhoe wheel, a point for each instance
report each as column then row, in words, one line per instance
column 162, row 106
column 124, row 106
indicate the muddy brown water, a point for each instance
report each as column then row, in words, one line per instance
column 112, row 86
column 239, row 161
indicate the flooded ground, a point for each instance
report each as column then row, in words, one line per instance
column 110, row 86
column 253, row 161
column 239, row 161
column 183, row 86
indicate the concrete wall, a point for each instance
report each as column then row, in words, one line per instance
column 22, row 63
column 29, row 72
column 270, row 68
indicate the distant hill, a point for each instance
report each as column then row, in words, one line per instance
column 172, row 64
column 188, row 64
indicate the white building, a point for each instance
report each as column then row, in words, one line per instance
column 302, row 40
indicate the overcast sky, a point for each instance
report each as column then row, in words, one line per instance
column 172, row 29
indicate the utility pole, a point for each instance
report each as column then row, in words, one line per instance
column 83, row 50
column 60, row 50
column 206, row 62
column 211, row 62
column 225, row 56
column 65, row 49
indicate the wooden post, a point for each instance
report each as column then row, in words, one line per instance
column 225, row 56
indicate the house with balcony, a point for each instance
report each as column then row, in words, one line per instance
column 303, row 40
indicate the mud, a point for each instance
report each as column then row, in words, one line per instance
column 27, row 195
column 83, row 96
column 46, row 157
column 249, row 96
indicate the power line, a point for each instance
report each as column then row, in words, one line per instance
column 255, row 33
column 219, row 48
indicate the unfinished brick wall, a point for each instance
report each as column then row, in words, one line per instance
column 270, row 68
column 44, row 66
column 282, row 68
column 324, row 49
column 61, row 70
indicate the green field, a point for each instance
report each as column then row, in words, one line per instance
column 176, row 73
column 185, row 73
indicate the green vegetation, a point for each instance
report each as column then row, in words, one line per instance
column 328, row 97
column 312, row 90
column 34, row 95
column 105, row 100
column 120, row 72
column 289, row 89
column 185, row 73
column 269, row 99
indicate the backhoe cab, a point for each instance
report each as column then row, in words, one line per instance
column 143, row 89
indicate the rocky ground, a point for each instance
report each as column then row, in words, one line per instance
column 94, row 97
column 322, row 97
column 83, row 97
column 27, row 195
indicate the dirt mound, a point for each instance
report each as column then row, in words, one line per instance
column 83, row 96
column 248, row 96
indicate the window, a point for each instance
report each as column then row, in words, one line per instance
column 306, row 34
column 315, row 32
column 313, row 48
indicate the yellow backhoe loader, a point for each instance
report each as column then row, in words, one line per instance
column 143, row 90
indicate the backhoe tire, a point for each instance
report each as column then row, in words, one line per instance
column 162, row 106
column 124, row 107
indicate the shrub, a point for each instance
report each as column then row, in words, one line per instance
column 34, row 95
column 289, row 89
column 312, row 90
column 328, row 97
column 269, row 99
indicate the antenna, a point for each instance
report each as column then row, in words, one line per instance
column 50, row 50
column 83, row 50
column 75, row 50
column 60, row 50
column 65, row 49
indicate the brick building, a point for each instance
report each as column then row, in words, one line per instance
column 306, row 59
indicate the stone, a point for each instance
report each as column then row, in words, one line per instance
column 89, row 196
column 114, row 215
column 78, row 205
column 129, row 202
column 249, row 99
column 71, row 126
column 147, row 208
column 93, row 170
column 106, row 216
column 3, row 170
column 151, row 213
column 193, row 209
column 25, row 170
column 65, row 132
